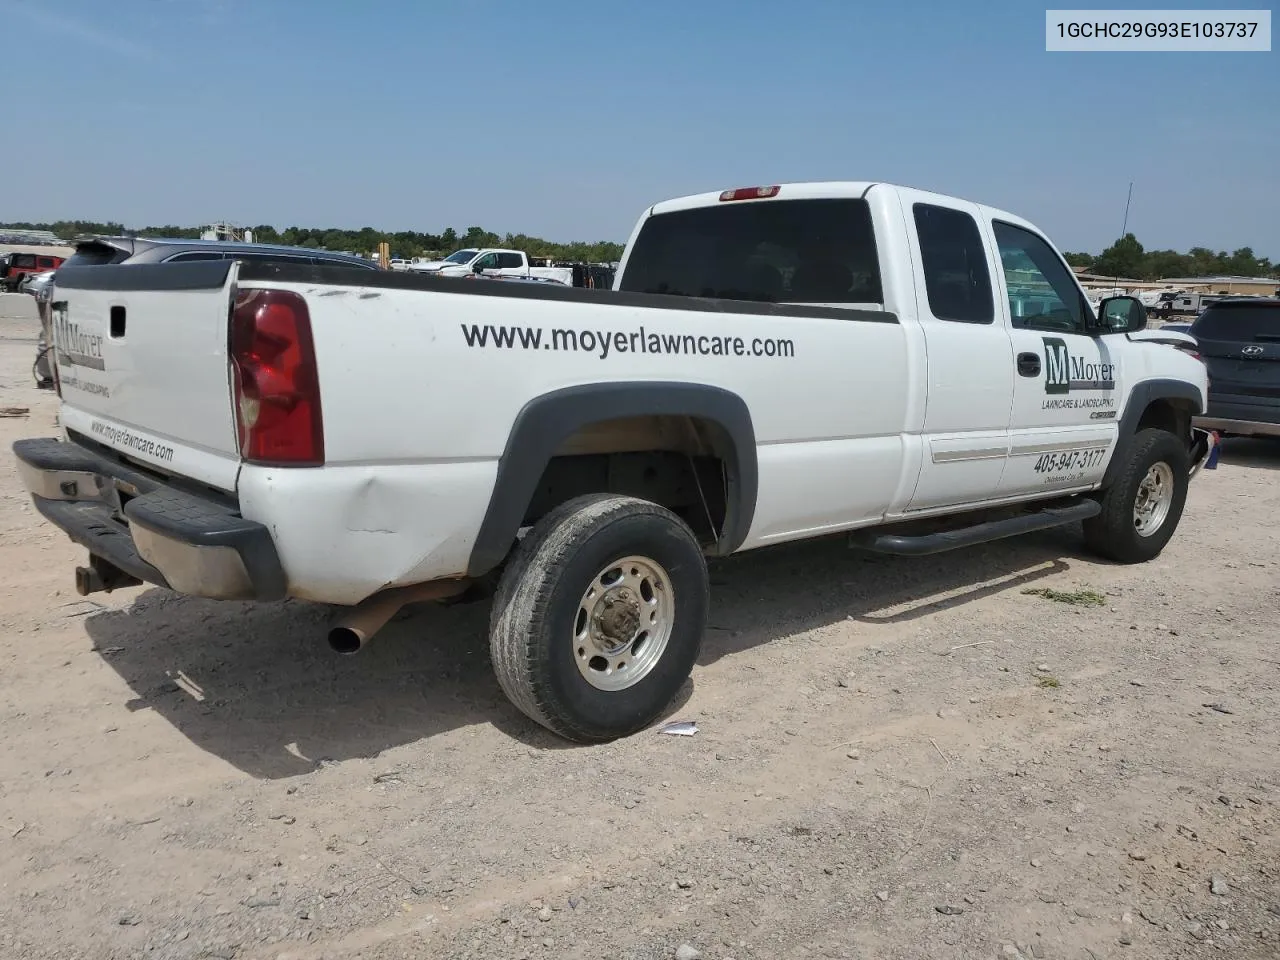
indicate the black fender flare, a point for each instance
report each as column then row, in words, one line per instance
column 1142, row 396
column 545, row 422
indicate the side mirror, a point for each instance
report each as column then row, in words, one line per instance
column 477, row 269
column 1122, row 315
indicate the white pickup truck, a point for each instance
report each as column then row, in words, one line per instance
column 492, row 263
column 774, row 364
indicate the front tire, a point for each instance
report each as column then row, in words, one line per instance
column 1141, row 509
column 598, row 618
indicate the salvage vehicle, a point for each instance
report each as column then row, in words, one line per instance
column 779, row 363
column 40, row 286
column 16, row 267
column 1239, row 340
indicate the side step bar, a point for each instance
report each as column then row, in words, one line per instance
column 925, row 544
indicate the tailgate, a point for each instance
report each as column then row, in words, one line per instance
column 141, row 356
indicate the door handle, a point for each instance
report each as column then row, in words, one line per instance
column 1029, row 364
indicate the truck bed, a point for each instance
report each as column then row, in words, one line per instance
column 424, row 380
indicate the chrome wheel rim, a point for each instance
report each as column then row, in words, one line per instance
column 1155, row 496
column 623, row 623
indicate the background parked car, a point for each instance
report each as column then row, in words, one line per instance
column 16, row 267
column 102, row 251
column 109, row 250
column 40, row 286
column 1239, row 341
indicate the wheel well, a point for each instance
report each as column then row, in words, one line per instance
column 1170, row 415
column 680, row 462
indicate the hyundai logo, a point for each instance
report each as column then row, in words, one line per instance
column 1253, row 350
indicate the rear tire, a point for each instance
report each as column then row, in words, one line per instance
column 1142, row 507
column 600, row 586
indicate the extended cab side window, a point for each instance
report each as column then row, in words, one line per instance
column 1042, row 292
column 956, row 278
column 510, row 261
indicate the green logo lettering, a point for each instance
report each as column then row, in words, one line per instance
column 1057, row 366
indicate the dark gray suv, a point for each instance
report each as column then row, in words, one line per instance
column 1240, row 344
column 104, row 251
column 101, row 251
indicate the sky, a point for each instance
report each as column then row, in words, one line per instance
column 566, row 120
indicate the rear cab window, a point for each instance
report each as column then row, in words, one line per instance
column 772, row 251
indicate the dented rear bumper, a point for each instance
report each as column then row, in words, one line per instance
column 153, row 531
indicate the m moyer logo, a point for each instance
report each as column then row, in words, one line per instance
column 74, row 346
column 1064, row 373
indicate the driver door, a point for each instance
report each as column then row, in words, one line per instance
column 1068, row 382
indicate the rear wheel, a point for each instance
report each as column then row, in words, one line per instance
column 1141, row 509
column 599, row 617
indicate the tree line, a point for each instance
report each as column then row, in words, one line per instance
column 404, row 243
column 1129, row 259
column 1124, row 258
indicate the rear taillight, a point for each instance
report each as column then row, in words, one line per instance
column 750, row 193
column 275, row 385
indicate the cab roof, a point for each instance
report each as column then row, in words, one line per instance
column 811, row 190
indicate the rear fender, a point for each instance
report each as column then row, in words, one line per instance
column 547, row 421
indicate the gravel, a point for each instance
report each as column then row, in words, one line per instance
column 479, row 814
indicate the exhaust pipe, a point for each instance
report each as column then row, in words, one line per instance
column 358, row 625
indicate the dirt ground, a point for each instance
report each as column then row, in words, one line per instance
column 895, row 759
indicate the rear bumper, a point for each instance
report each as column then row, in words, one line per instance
column 153, row 531
column 1240, row 428
column 1242, row 415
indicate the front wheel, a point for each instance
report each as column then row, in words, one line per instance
column 599, row 617
column 1142, row 507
